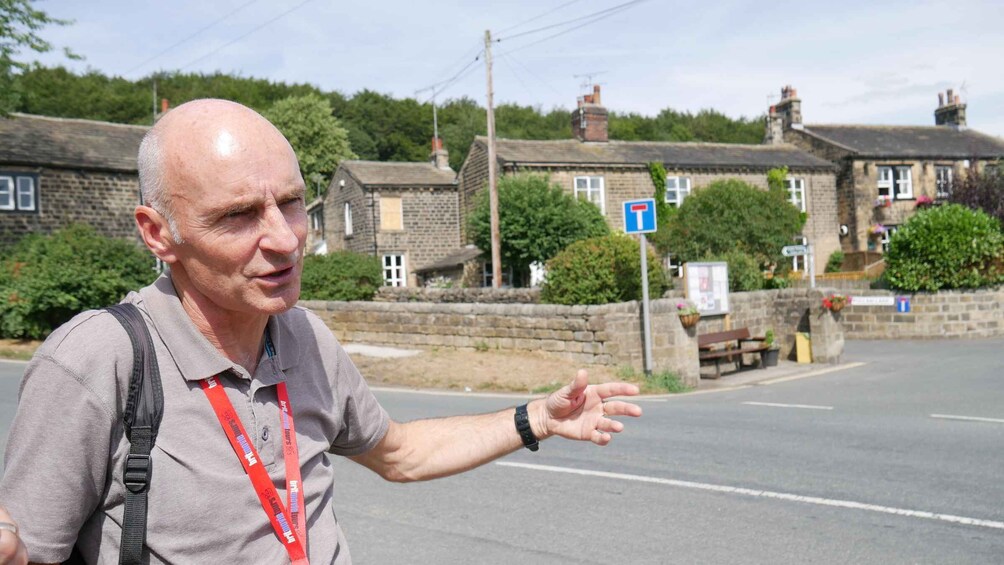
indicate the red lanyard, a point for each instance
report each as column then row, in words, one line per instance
column 294, row 538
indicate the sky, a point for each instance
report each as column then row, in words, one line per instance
column 852, row 62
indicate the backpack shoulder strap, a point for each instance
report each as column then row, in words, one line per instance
column 143, row 412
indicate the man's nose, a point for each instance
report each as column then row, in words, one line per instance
column 279, row 235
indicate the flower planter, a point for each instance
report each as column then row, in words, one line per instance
column 689, row 320
column 770, row 357
column 837, row 306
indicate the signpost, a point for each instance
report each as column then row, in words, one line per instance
column 798, row 250
column 639, row 218
column 794, row 250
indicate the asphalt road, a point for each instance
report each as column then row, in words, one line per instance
column 873, row 464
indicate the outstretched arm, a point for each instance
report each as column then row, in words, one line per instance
column 428, row 449
column 12, row 550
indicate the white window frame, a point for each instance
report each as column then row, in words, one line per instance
column 8, row 193
column 796, row 192
column 886, row 236
column 904, row 183
column 896, row 181
column 22, row 183
column 798, row 262
column 595, row 188
column 678, row 186
column 348, row 219
column 943, row 181
column 394, row 274
column 885, row 180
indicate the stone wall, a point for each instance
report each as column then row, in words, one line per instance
column 484, row 295
column 608, row 334
column 944, row 314
column 103, row 200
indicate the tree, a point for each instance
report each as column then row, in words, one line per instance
column 732, row 215
column 317, row 137
column 601, row 270
column 981, row 191
column 19, row 24
column 536, row 221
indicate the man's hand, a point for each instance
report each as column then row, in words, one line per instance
column 12, row 550
column 581, row 411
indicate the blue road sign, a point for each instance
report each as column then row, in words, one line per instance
column 903, row 304
column 639, row 216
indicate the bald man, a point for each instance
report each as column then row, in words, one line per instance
column 257, row 392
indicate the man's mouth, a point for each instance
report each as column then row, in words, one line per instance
column 278, row 276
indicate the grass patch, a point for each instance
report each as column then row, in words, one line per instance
column 481, row 346
column 547, row 388
column 18, row 349
column 663, row 382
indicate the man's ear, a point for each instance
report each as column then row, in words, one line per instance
column 156, row 233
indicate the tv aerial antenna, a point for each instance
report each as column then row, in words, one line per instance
column 587, row 79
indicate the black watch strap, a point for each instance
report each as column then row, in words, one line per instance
column 523, row 429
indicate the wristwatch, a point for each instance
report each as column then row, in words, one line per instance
column 523, row 429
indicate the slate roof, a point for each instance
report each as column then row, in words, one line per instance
column 677, row 155
column 380, row 173
column 910, row 141
column 63, row 142
column 455, row 259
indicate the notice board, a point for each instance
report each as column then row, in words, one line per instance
column 707, row 286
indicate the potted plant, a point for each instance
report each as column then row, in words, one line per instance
column 836, row 302
column 924, row 201
column 773, row 349
column 689, row 314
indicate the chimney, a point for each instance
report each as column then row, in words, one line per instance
column 951, row 111
column 589, row 120
column 775, row 130
column 165, row 105
column 440, row 158
column 789, row 109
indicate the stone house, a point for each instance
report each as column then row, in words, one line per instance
column 608, row 173
column 883, row 170
column 56, row 171
column 404, row 213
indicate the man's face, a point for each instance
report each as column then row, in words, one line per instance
column 239, row 207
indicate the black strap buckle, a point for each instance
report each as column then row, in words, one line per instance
column 137, row 472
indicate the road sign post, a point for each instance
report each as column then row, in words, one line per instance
column 639, row 218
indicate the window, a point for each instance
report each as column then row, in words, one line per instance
column 390, row 214
column 348, row 220
column 317, row 219
column 591, row 189
column 677, row 188
column 487, row 276
column 798, row 261
column 895, row 183
column 674, row 266
column 393, row 270
column 943, row 181
column 796, row 192
column 886, row 236
column 18, row 192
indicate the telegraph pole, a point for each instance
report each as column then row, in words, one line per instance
column 493, row 195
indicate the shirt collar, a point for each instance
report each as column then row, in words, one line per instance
column 195, row 357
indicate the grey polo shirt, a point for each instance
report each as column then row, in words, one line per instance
column 66, row 449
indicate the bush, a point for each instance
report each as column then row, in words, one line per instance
column 745, row 273
column 732, row 215
column 342, row 275
column 46, row 280
column 835, row 262
column 601, row 270
column 946, row 247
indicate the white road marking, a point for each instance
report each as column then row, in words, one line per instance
column 778, row 405
column 967, row 418
column 766, row 494
column 812, row 373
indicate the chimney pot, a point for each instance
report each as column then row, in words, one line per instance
column 165, row 105
column 596, row 95
column 941, row 100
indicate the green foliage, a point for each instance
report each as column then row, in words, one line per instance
column 664, row 213
column 536, row 221
column 745, row 273
column 670, row 125
column 663, row 382
column 317, row 137
column 769, row 339
column 46, row 280
column 981, row 190
column 601, row 270
column 946, row 247
column 776, row 179
column 20, row 23
column 342, row 275
column 835, row 262
column 730, row 215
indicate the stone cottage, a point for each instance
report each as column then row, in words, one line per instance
column 608, row 173
column 404, row 213
column 884, row 170
column 56, row 171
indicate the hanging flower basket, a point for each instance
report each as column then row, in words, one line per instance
column 689, row 320
column 836, row 302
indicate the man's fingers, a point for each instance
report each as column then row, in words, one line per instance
column 12, row 551
column 608, row 425
column 606, row 390
column 578, row 384
column 600, row 438
column 621, row 408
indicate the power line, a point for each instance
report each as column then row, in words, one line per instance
column 538, row 16
column 216, row 21
column 543, row 81
column 452, row 80
column 605, row 12
column 236, row 39
column 599, row 16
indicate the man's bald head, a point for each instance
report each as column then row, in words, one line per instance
column 183, row 149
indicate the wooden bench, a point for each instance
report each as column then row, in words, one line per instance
column 729, row 345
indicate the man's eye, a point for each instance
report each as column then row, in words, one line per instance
column 238, row 213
